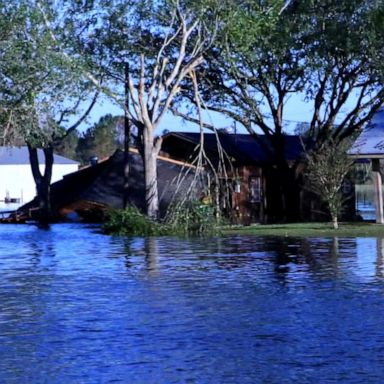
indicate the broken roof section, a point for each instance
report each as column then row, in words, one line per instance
column 370, row 143
column 100, row 186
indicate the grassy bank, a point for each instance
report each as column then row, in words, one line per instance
column 310, row 230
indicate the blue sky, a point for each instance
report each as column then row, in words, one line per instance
column 296, row 111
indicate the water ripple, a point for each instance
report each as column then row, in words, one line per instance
column 78, row 306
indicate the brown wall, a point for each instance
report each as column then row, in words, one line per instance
column 248, row 200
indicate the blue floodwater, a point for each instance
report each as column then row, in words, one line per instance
column 81, row 307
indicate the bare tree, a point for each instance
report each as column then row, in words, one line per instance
column 163, row 43
column 154, row 92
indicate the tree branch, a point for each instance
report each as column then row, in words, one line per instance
column 82, row 118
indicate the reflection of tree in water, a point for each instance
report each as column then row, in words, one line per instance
column 146, row 249
column 336, row 258
column 31, row 285
column 286, row 257
column 41, row 250
column 230, row 252
column 310, row 255
column 128, row 252
column 380, row 257
column 151, row 249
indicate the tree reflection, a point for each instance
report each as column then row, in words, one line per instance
column 148, row 247
column 380, row 257
column 286, row 257
column 151, row 249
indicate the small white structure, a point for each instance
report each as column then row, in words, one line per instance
column 17, row 186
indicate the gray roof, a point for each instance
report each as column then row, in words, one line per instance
column 244, row 148
column 20, row 155
column 370, row 143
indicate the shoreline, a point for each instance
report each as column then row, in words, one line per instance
column 360, row 229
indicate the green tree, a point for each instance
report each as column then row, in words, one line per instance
column 330, row 52
column 249, row 74
column 67, row 147
column 41, row 86
column 102, row 139
column 163, row 42
column 344, row 65
column 326, row 169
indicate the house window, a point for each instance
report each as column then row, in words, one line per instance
column 254, row 189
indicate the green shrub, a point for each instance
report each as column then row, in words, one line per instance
column 193, row 218
column 131, row 221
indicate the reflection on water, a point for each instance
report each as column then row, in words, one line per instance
column 81, row 307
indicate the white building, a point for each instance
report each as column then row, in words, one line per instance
column 17, row 186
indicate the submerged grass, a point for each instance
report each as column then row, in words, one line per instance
column 190, row 220
column 361, row 229
column 197, row 220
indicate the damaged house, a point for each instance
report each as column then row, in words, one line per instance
column 254, row 194
column 89, row 192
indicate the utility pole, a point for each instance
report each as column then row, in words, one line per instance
column 127, row 135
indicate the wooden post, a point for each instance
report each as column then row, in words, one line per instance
column 378, row 190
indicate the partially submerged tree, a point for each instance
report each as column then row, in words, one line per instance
column 344, row 41
column 268, row 51
column 41, row 87
column 163, row 42
column 326, row 170
column 252, row 69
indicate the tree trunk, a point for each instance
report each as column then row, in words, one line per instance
column 335, row 222
column 291, row 194
column 284, row 187
column 151, row 149
column 282, row 194
column 151, row 193
column 127, row 136
column 44, row 199
column 43, row 182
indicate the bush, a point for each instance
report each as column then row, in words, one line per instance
column 192, row 218
column 327, row 168
column 131, row 221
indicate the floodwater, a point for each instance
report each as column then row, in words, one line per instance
column 81, row 307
